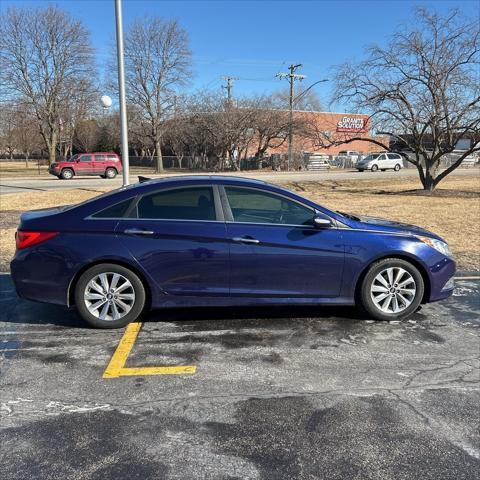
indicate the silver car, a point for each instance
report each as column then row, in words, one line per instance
column 380, row 161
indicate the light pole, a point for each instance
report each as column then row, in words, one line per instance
column 121, row 85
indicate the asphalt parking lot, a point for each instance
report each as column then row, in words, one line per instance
column 272, row 393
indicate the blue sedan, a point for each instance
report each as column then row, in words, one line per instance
column 222, row 241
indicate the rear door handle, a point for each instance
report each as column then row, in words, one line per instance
column 137, row 231
column 245, row 240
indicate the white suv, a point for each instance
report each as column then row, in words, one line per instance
column 380, row 161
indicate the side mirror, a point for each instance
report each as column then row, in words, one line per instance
column 321, row 222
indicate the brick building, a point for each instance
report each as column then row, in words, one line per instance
column 322, row 132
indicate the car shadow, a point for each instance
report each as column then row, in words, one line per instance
column 15, row 310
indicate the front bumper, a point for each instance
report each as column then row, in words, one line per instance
column 441, row 279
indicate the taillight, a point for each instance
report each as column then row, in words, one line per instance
column 25, row 239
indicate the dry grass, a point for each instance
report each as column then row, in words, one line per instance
column 20, row 169
column 456, row 218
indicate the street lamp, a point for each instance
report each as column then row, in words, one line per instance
column 121, row 87
column 106, row 102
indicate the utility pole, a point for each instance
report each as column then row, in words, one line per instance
column 121, row 84
column 229, row 87
column 292, row 76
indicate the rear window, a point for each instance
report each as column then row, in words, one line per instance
column 194, row 203
column 112, row 157
column 114, row 211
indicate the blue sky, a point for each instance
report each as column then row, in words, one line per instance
column 253, row 40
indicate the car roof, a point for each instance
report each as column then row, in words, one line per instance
column 206, row 178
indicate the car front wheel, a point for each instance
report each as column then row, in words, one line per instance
column 392, row 289
column 109, row 296
column 66, row 174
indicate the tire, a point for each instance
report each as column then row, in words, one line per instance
column 360, row 170
column 67, row 174
column 374, row 168
column 133, row 296
column 110, row 173
column 397, row 167
column 371, row 291
column 383, row 170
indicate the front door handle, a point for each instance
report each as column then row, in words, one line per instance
column 245, row 240
column 137, row 231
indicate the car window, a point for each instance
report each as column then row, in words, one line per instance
column 114, row 211
column 382, row 157
column 99, row 158
column 86, row 158
column 257, row 206
column 393, row 156
column 195, row 203
column 112, row 157
column 372, row 156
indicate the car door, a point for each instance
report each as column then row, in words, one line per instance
column 275, row 251
column 99, row 165
column 382, row 161
column 85, row 165
column 178, row 236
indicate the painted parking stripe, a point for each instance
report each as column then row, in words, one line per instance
column 116, row 368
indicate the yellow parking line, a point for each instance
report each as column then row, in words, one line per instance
column 116, row 367
column 158, row 370
column 120, row 355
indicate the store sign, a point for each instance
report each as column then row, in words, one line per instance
column 352, row 124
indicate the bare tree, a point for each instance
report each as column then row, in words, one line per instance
column 8, row 140
column 45, row 58
column 271, row 125
column 157, row 62
column 27, row 134
column 87, row 135
column 422, row 90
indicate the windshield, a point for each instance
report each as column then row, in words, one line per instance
column 73, row 158
column 372, row 156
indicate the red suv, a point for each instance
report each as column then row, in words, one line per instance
column 105, row 164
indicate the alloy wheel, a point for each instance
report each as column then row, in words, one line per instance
column 109, row 296
column 393, row 290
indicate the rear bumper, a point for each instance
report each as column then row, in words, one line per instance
column 39, row 284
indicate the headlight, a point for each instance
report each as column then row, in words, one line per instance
column 438, row 245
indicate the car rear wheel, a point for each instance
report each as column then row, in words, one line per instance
column 392, row 289
column 109, row 296
column 67, row 174
column 110, row 173
column 374, row 168
column 397, row 167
